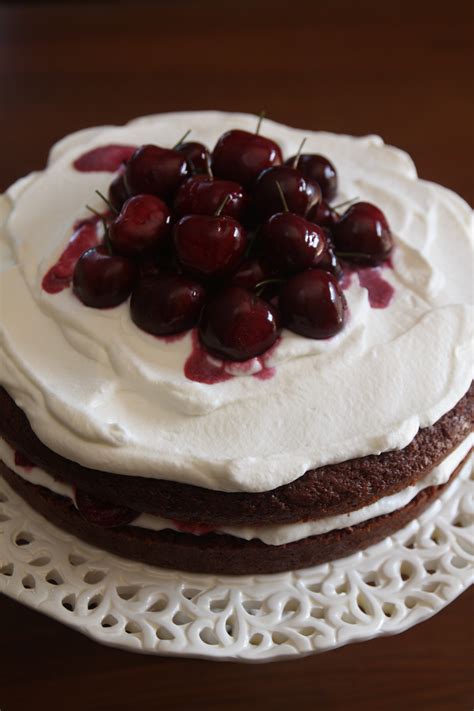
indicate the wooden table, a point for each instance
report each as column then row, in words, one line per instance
column 399, row 69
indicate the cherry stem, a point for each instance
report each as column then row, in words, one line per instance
column 105, row 226
column 283, row 198
column 262, row 284
column 209, row 167
column 182, row 139
column 260, row 119
column 346, row 202
column 297, row 156
column 222, row 205
column 353, row 255
column 107, row 202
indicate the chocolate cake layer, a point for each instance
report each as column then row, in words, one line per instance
column 215, row 553
column 327, row 491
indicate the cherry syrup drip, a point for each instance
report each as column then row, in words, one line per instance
column 22, row 461
column 198, row 529
column 103, row 159
column 205, row 368
column 380, row 292
column 202, row 367
column 59, row 277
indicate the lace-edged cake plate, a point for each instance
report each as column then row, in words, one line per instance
column 383, row 590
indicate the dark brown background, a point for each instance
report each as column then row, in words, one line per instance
column 399, row 69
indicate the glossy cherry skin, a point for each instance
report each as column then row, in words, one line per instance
column 250, row 273
column 237, row 325
column 118, row 192
column 209, row 246
column 101, row 513
column 202, row 195
column 197, row 156
column 322, row 214
column 300, row 194
column 312, row 304
column 362, row 234
column 142, row 225
column 318, row 168
column 290, row 243
column 166, row 303
column 241, row 156
column 328, row 260
column 155, row 171
column 102, row 280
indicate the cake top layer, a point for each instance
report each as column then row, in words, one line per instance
column 110, row 396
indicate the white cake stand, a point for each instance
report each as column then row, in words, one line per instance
column 383, row 590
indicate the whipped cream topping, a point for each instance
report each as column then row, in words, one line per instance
column 275, row 534
column 101, row 392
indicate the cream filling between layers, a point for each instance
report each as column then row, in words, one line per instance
column 101, row 392
column 273, row 535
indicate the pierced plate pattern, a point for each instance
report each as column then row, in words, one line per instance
column 382, row 590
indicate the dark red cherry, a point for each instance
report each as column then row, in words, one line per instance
column 197, row 156
column 142, row 224
column 312, row 304
column 328, row 260
column 118, row 192
column 241, row 156
column 290, row 243
column 102, row 280
column 319, row 169
column 299, row 193
column 322, row 214
column 163, row 304
column 202, row 195
column 362, row 234
column 209, row 245
column 155, row 171
column 101, row 513
column 249, row 274
column 237, row 325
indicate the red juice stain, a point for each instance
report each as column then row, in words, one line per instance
column 59, row 277
column 22, row 461
column 380, row 292
column 198, row 529
column 104, row 158
column 204, row 368
column 201, row 367
column 173, row 338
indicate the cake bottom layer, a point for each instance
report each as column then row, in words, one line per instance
column 219, row 553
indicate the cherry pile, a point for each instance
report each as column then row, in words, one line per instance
column 236, row 242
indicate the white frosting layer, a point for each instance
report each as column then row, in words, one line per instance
column 275, row 534
column 105, row 394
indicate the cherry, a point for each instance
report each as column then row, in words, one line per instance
column 166, row 303
column 363, row 235
column 300, row 193
column 118, row 192
column 142, row 224
column 312, row 304
column 202, row 195
column 197, row 156
column 317, row 168
column 328, row 260
column 101, row 513
column 237, row 325
column 241, row 156
column 249, row 274
column 155, row 171
column 209, row 245
column 290, row 243
column 102, row 280
column 323, row 214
